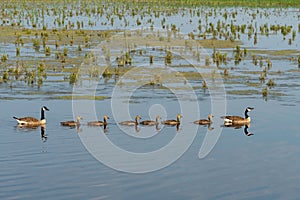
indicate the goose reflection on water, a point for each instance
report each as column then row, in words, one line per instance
column 29, row 128
column 246, row 126
column 43, row 134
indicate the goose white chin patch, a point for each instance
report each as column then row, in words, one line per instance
column 227, row 120
column 21, row 122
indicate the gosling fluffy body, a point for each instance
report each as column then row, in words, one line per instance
column 205, row 121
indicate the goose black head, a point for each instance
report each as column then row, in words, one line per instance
column 45, row 108
column 249, row 109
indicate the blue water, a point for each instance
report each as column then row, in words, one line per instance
column 262, row 166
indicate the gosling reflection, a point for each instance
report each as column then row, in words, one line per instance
column 209, row 127
column 178, row 129
column 157, row 127
column 105, row 129
column 137, row 128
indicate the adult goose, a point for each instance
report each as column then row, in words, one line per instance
column 31, row 121
column 151, row 122
column 238, row 119
column 72, row 123
column 99, row 123
column 131, row 123
column 205, row 121
column 173, row 121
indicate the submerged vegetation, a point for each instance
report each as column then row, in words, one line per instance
column 51, row 41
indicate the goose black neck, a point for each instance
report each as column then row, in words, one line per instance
column 104, row 121
column 246, row 130
column 42, row 114
column 246, row 114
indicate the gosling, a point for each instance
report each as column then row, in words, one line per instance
column 173, row 121
column 131, row 123
column 205, row 121
column 72, row 123
column 99, row 123
column 151, row 122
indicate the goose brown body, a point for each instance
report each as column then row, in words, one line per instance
column 237, row 119
column 31, row 121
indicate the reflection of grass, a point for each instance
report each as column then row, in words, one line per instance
column 243, row 92
column 152, row 40
column 285, row 52
column 81, row 97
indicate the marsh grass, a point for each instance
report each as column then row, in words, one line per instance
column 221, row 36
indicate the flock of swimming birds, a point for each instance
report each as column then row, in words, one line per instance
column 228, row 120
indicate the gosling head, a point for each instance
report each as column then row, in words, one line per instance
column 178, row 116
column 138, row 117
column 106, row 117
column 79, row 118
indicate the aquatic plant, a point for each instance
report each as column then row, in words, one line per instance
column 36, row 44
column 293, row 35
column 269, row 63
column 207, row 60
column 237, row 58
column 270, row 83
column 262, row 76
column 168, row 58
column 254, row 59
column 261, row 63
column 226, row 72
column 4, row 57
column 106, row 73
column 79, row 48
column 41, row 70
column 255, row 38
column 18, row 51
column 5, row 76
column 245, row 52
column 204, row 85
column 151, row 59
column 47, row 51
column 73, row 78
column 65, row 51
column 265, row 92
